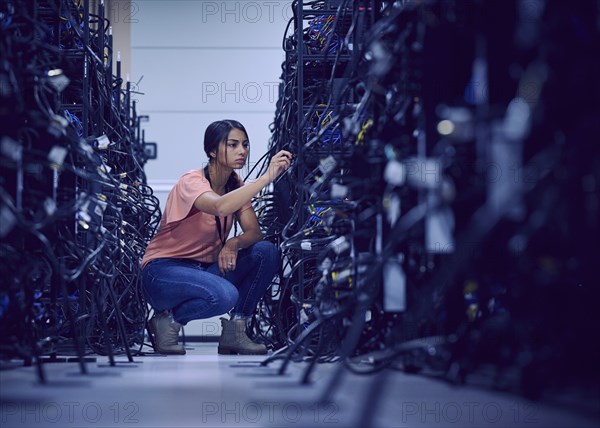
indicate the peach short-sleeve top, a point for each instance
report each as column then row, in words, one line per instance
column 184, row 231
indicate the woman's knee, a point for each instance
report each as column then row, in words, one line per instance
column 268, row 250
column 226, row 298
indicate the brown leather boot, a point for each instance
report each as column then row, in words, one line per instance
column 165, row 331
column 233, row 339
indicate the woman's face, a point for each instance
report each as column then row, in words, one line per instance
column 233, row 153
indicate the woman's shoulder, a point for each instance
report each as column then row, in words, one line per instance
column 192, row 174
column 191, row 182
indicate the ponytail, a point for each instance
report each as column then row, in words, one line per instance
column 232, row 183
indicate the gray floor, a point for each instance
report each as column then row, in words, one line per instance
column 205, row 389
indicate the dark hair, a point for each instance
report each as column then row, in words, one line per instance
column 216, row 133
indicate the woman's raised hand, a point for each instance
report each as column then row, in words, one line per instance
column 279, row 163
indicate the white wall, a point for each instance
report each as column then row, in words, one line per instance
column 198, row 61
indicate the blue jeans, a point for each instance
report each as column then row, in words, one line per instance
column 194, row 292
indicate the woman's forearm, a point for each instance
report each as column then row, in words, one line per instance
column 233, row 201
column 236, row 199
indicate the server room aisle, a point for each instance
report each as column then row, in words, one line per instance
column 208, row 390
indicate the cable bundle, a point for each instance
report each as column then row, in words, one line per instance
column 308, row 123
column 320, row 36
column 76, row 210
column 430, row 164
